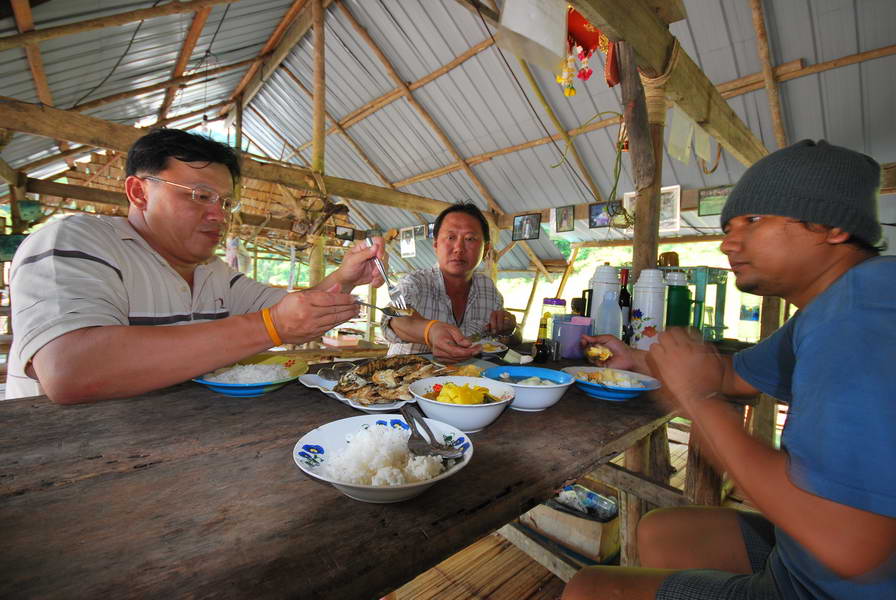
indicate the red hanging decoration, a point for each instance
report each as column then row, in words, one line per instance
column 583, row 40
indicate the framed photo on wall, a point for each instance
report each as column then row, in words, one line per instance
column 345, row 233
column 526, row 227
column 408, row 243
column 670, row 205
column 564, row 218
column 711, row 200
column 603, row 214
column 420, row 231
column 430, row 230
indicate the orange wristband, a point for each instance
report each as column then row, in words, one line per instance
column 269, row 325
column 426, row 331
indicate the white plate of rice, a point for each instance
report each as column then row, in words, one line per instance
column 366, row 457
column 254, row 376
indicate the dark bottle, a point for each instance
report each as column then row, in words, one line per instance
column 542, row 345
column 625, row 303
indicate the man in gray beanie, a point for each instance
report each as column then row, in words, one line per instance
column 800, row 224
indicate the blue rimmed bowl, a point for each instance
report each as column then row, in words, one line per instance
column 532, row 398
column 296, row 368
column 313, row 449
column 612, row 393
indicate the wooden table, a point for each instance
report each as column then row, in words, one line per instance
column 183, row 492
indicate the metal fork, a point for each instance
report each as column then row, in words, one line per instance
column 417, row 444
column 394, row 294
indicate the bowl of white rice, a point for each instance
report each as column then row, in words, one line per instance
column 255, row 375
column 367, row 458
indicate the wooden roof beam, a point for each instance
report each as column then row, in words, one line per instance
column 83, row 129
column 49, row 33
column 183, row 57
column 440, row 133
column 686, row 85
column 296, row 22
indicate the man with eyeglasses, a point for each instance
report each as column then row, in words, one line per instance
column 88, row 289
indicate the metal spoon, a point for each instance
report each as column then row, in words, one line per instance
column 417, row 444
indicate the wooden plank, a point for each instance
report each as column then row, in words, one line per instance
column 543, row 551
column 888, row 178
column 279, row 45
column 768, row 74
column 682, row 239
column 52, row 122
column 173, row 481
column 167, row 84
column 8, row 174
column 686, row 85
column 637, row 484
column 186, row 51
column 132, row 16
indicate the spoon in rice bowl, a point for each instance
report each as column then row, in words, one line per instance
column 417, row 444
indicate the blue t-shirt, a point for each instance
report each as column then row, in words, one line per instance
column 834, row 362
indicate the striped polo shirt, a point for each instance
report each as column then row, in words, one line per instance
column 87, row 270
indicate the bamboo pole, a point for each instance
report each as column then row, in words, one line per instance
column 531, row 298
column 763, row 414
column 318, row 133
column 49, row 33
column 768, row 73
column 567, row 272
column 439, row 132
column 562, row 130
column 316, row 262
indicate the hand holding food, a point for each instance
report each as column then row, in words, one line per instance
column 501, row 322
column 449, row 345
column 358, row 267
column 690, row 369
column 304, row 316
column 620, row 355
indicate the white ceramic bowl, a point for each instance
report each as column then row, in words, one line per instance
column 533, row 398
column 312, row 449
column 469, row 418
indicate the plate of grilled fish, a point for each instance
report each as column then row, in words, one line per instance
column 380, row 385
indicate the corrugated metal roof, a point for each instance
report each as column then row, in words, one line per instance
column 479, row 104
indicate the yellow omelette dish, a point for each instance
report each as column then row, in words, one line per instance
column 463, row 394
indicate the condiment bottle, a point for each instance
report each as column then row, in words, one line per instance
column 542, row 347
column 625, row 304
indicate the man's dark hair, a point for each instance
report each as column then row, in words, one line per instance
column 468, row 208
column 150, row 153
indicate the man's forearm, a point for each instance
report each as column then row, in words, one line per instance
column 97, row 363
column 409, row 329
column 847, row 540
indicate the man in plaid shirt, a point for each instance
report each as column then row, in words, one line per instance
column 451, row 301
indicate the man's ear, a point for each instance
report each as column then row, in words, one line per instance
column 835, row 235
column 135, row 190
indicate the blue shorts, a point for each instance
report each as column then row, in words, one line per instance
column 708, row 584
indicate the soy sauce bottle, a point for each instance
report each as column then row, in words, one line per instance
column 625, row 304
column 542, row 347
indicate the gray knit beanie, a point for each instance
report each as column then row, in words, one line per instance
column 813, row 182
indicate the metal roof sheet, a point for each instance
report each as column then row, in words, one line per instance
column 478, row 104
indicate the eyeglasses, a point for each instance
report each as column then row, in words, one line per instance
column 201, row 194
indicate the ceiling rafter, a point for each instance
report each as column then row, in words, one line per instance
column 437, row 129
column 657, row 51
column 183, row 57
column 293, row 26
column 25, row 22
column 131, row 16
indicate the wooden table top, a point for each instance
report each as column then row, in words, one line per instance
column 183, row 492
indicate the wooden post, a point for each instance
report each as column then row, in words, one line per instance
column 371, row 314
column 566, row 273
column 531, row 298
column 319, row 115
column 637, row 459
column 768, row 73
column 764, row 414
column 493, row 256
column 316, row 263
column 255, row 262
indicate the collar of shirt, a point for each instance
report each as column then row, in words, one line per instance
column 475, row 290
